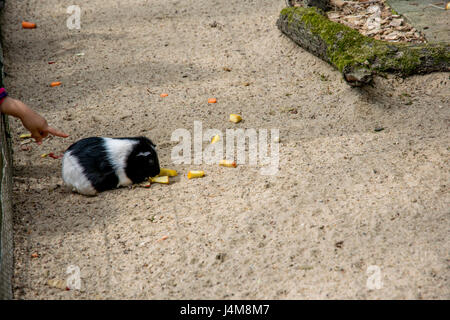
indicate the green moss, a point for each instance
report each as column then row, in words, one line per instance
column 346, row 46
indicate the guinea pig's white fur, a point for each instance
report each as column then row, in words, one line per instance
column 73, row 176
column 118, row 152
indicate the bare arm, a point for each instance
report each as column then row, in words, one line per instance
column 31, row 120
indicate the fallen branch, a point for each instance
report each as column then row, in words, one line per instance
column 359, row 57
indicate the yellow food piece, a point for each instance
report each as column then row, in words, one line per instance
column 195, row 174
column 227, row 163
column 235, row 118
column 163, row 180
column 215, row 139
column 44, row 155
column 168, row 172
column 25, row 136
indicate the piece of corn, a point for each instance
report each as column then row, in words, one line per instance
column 227, row 163
column 168, row 172
column 25, row 136
column 235, row 118
column 163, row 180
column 195, row 174
column 215, row 139
column 44, row 155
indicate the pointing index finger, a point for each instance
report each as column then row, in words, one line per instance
column 57, row 133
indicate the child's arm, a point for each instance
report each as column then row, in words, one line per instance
column 31, row 120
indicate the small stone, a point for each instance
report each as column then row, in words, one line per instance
column 393, row 36
column 396, row 22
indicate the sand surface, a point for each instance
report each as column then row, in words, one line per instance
column 353, row 213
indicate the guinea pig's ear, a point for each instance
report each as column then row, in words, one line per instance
column 143, row 154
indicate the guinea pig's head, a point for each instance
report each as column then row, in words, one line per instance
column 143, row 161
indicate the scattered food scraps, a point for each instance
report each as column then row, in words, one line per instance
column 163, row 95
column 163, row 238
column 196, row 174
column 212, row 100
column 55, row 84
column 53, row 156
column 168, row 172
column 227, row 163
column 44, row 155
column 35, row 255
column 25, row 136
column 161, row 179
column 51, row 62
column 215, row 139
column 235, row 118
column 28, row 25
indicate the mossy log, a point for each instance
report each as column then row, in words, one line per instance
column 359, row 57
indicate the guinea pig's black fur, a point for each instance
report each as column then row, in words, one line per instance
column 97, row 164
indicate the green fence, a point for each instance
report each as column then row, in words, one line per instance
column 6, row 221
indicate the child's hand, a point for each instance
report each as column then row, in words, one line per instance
column 39, row 127
column 31, row 120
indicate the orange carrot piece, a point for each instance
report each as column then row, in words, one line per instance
column 55, row 84
column 163, row 95
column 212, row 100
column 28, row 25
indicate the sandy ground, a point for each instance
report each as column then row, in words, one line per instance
column 346, row 198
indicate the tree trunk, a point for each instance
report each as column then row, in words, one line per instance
column 359, row 57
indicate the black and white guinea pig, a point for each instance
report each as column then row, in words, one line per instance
column 97, row 164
